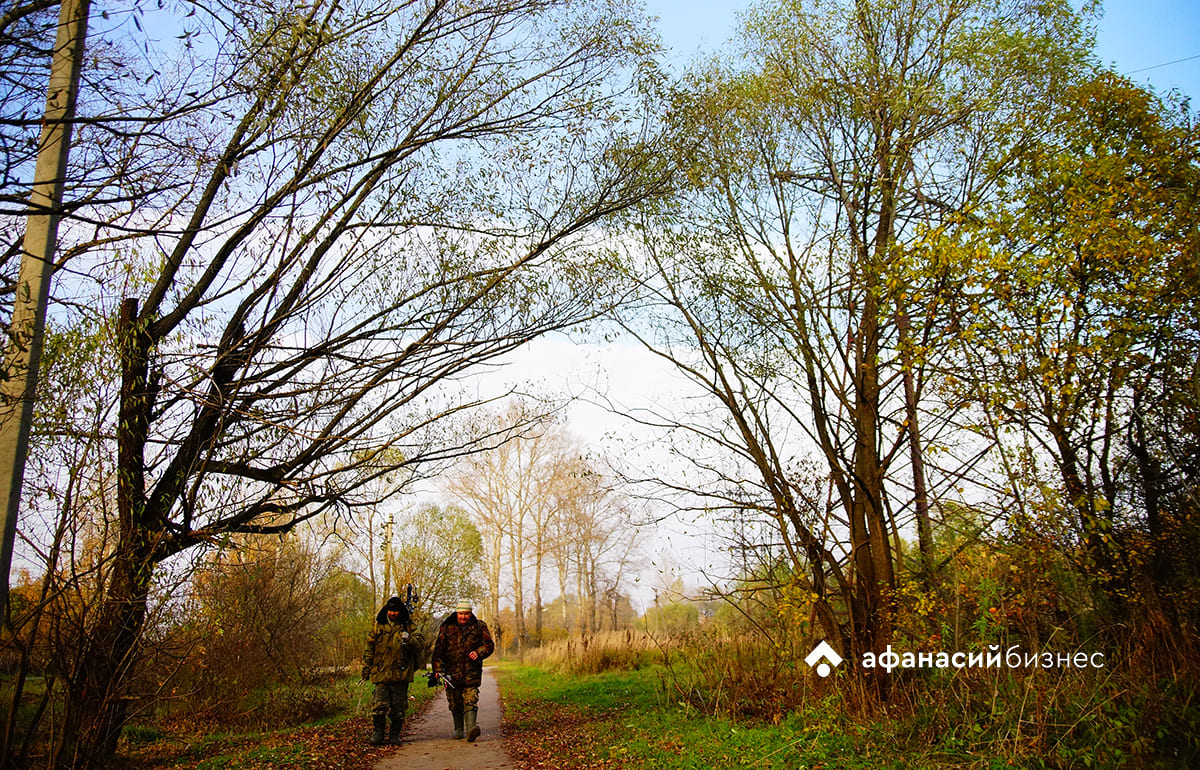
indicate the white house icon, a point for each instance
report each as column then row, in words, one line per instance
column 823, row 650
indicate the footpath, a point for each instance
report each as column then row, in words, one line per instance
column 428, row 746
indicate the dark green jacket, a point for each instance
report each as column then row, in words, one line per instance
column 393, row 651
column 451, row 651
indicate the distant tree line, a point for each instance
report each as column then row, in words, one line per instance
column 548, row 512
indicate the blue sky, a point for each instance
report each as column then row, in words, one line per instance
column 1145, row 39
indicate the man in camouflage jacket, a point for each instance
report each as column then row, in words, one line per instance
column 463, row 641
column 392, row 654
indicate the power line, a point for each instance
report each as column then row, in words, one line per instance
column 1164, row 64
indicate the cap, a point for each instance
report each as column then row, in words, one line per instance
column 463, row 606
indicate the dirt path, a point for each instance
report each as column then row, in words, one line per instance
column 428, row 745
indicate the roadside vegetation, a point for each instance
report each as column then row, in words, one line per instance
column 711, row 701
column 320, row 726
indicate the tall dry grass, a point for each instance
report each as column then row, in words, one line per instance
column 627, row 650
column 1116, row 716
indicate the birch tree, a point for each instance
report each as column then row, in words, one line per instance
column 595, row 538
column 546, row 505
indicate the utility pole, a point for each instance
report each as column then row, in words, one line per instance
column 23, row 353
column 387, row 557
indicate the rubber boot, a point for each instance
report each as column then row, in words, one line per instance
column 469, row 722
column 458, row 724
column 380, row 721
column 394, row 733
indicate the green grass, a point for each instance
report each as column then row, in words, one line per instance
column 638, row 719
column 628, row 719
column 648, row 718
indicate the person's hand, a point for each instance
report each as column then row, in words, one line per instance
column 404, row 635
column 473, row 655
column 366, row 674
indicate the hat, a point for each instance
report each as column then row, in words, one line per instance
column 463, row 606
column 394, row 604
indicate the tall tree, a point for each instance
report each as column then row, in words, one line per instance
column 340, row 207
column 509, row 491
column 595, row 537
column 785, row 266
column 546, row 502
column 438, row 552
column 1085, row 292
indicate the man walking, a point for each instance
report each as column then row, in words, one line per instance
column 463, row 641
column 392, row 654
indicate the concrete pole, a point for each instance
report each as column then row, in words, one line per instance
column 388, row 577
column 23, row 351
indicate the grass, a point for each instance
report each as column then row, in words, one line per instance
column 644, row 719
column 689, row 710
column 318, row 728
column 626, row 719
column 627, row 650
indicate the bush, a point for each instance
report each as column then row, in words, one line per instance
column 294, row 706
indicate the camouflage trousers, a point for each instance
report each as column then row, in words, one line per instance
column 460, row 700
column 390, row 699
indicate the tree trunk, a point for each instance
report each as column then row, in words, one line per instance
column 580, row 614
column 591, row 597
column 562, row 583
column 920, row 490
column 98, row 702
column 537, row 598
column 869, row 526
column 517, row 545
column 492, row 570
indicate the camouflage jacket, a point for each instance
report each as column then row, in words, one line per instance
column 393, row 651
column 451, row 651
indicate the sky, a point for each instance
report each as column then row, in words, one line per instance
column 1154, row 42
